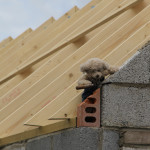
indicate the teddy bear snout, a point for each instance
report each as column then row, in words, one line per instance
column 97, row 76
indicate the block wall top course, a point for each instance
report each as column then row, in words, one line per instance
column 135, row 70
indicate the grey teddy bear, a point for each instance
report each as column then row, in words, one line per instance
column 94, row 72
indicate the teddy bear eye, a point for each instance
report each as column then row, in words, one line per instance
column 91, row 71
column 104, row 67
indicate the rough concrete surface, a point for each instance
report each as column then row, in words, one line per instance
column 15, row 147
column 72, row 139
column 43, row 143
column 136, row 69
column 77, row 139
column 110, row 140
column 125, row 106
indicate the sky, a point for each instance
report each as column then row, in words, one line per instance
column 16, row 16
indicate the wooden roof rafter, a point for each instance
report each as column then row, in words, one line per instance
column 63, row 44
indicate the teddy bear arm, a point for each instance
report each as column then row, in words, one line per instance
column 84, row 81
column 112, row 70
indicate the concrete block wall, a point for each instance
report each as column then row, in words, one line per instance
column 83, row 138
column 125, row 102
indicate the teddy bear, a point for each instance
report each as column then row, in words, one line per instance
column 94, row 72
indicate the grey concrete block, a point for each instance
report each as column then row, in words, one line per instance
column 15, row 147
column 90, row 137
column 136, row 69
column 110, row 140
column 66, row 140
column 125, row 106
column 77, row 139
column 41, row 143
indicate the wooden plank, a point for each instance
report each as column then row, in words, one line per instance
column 5, row 42
column 7, row 96
column 95, row 53
column 120, row 61
column 96, row 18
column 44, row 26
column 32, row 46
column 141, row 35
column 53, row 126
column 131, row 53
column 9, row 49
column 67, row 111
column 58, row 85
column 59, row 58
column 63, row 107
column 20, row 69
column 122, row 7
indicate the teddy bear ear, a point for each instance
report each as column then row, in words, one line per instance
column 83, row 68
